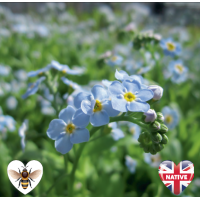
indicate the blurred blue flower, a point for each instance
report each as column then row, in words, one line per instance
column 135, row 130
column 178, row 71
column 170, row 47
column 11, row 102
column 129, row 96
column 65, row 68
column 116, row 133
column 39, row 72
column 131, row 164
column 33, row 87
column 65, row 131
column 122, row 76
column 75, row 86
column 114, row 60
column 22, row 133
column 171, row 117
column 4, row 70
column 7, row 123
column 95, row 108
column 152, row 160
column 21, row 75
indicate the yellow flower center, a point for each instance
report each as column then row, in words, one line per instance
column 70, row 128
column 132, row 130
column 97, row 106
column 170, row 46
column 129, row 96
column 179, row 68
column 168, row 119
column 114, row 58
column 40, row 73
column 64, row 71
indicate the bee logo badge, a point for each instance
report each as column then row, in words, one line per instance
column 25, row 178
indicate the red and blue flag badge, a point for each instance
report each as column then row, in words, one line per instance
column 176, row 178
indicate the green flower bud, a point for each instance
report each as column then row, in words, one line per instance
column 160, row 117
column 163, row 128
column 147, row 138
column 164, row 139
column 158, row 147
column 156, row 138
column 147, row 148
column 152, row 150
column 155, row 126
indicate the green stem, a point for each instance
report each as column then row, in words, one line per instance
column 80, row 150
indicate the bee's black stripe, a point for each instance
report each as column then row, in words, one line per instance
column 24, row 181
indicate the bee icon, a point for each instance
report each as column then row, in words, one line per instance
column 24, row 177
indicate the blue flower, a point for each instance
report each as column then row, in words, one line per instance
column 128, row 96
column 39, row 72
column 131, row 164
column 135, row 130
column 7, row 122
column 66, row 132
column 65, row 68
column 152, row 160
column 22, row 133
column 122, row 76
column 114, row 60
column 75, row 86
column 170, row 47
column 178, row 71
column 4, row 71
column 95, row 108
column 171, row 117
column 11, row 102
column 116, row 133
column 33, row 88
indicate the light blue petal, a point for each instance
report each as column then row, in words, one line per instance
column 30, row 91
column 80, row 119
column 121, row 75
column 107, row 106
column 117, row 134
column 106, row 83
column 112, row 125
column 145, row 95
column 63, row 144
column 116, row 88
column 99, row 92
column 119, row 104
column 87, row 106
column 138, row 78
column 136, row 106
column 132, row 86
column 79, row 136
column 66, row 114
column 56, row 127
column 80, row 97
column 99, row 118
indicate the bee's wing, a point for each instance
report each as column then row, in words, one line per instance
column 14, row 174
column 35, row 174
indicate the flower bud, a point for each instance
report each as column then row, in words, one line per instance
column 160, row 117
column 157, row 90
column 156, row 137
column 150, row 116
column 155, row 126
column 152, row 151
column 163, row 128
column 147, row 148
column 164, row 139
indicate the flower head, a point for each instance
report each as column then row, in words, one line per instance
column 135, row 130
column 66, row 132
column 116, row 133
column 131, row 164
column 171, row 117
column 157, row 90
column 178, row 71
column 170, row 47
column 33, row 87
column 129, row 96
column 152, row 160
column 150, row 115
column 75, row 86
column 114, row 60
column 95, row 108
column 39, row 72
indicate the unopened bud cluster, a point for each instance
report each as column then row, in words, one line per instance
column 154, row 140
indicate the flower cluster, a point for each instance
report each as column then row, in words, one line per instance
column 120, row 98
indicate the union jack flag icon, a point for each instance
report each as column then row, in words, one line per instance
column 176, row 178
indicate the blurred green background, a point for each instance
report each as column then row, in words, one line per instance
column 77, row 34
